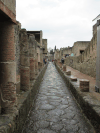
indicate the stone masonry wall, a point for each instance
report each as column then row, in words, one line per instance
column 31, row 40
column 80, row 45
column 18, row 66
column 24, row 61
column 67, row 51
column 85, row 63
column 17, row 55
column 44, row 42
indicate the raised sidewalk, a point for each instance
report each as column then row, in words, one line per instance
column 89, row 101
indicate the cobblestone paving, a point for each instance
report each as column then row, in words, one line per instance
column 55, row 111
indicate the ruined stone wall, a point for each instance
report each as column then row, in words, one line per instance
column 41, row 34
column 60, row 53
column 80, row 46
column 85, row 63
column 94, row 28
column 67, row 51
column 17, row 55
column 44, row 43
column 41, row 56
column 31, row 40
column 37, row 38
column 24, row 61
column 38, row 54
column 57, row 54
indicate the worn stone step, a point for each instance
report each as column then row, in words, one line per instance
column 68, row 72
column 84, row 85
column 73, row 78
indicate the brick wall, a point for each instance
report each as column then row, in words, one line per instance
column 7, row 66
column 6, row 38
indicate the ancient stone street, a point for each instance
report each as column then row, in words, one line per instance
column 55, row 110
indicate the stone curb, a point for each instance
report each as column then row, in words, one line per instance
column 89, row 105
column 13, row 123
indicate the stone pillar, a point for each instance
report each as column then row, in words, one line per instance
column 32, row 56
column 7, row 67
column 25, row 64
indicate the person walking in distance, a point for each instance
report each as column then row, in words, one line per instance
column 62, row 60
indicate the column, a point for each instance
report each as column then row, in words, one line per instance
column 7, row 67
column 32, row 56
column 25, row 64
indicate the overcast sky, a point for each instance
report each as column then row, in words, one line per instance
column 63, row 22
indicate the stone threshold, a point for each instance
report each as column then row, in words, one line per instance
column 14, row 122
column 90, row 105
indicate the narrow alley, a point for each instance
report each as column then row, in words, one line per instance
column 55, row 109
